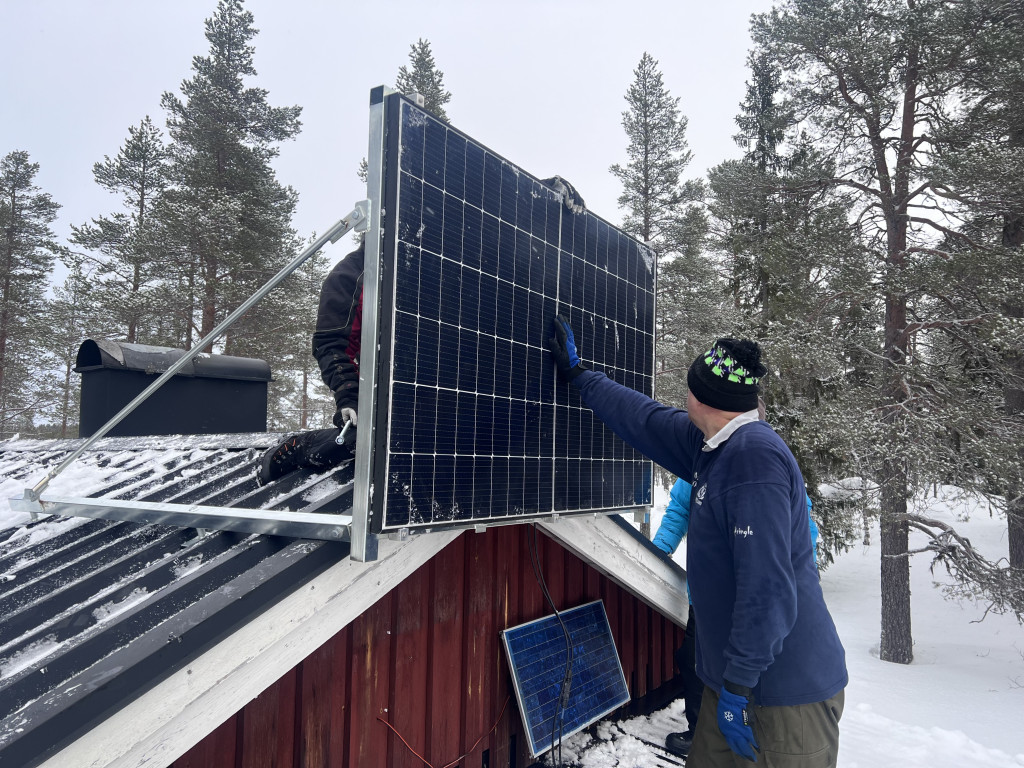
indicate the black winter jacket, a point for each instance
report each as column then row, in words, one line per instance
column 338, row 328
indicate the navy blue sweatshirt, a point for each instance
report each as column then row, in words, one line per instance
column 761, row 616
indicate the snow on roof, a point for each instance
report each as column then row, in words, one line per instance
column 87, row 606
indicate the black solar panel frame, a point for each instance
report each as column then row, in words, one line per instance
column 387, row 319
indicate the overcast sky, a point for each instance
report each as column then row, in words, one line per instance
column 541, row 82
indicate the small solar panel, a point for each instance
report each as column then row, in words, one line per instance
column 477, row 257
column 536, row 656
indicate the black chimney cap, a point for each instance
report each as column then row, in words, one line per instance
column 100, row 353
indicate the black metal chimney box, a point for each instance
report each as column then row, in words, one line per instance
column 212, row 394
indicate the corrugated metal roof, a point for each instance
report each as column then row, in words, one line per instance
column 94, row 612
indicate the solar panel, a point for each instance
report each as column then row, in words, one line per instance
column 476, row 257
column 536, row 656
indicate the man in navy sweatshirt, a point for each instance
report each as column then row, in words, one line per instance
column 767, row 648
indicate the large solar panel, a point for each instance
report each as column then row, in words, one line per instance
column 536, row 656
column 476, row 257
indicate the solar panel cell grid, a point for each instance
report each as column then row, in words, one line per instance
column 471, row 420
column 537, row 659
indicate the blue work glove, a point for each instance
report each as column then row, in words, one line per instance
column 736, row 720
column 563, row 347
column 573, row 200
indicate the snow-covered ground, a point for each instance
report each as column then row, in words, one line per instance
column 959, row 705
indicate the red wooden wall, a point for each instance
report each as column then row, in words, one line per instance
column 427, row 659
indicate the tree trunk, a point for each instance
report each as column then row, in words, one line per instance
column 209, row 316
column 133, row 321
column 1013, row 238
column 66, row 401
column 5, row 297
column 304, row 410
column 1014, row 398
column 1015, row 528
column 189, row 318
column 896, row 643
column 4, row 322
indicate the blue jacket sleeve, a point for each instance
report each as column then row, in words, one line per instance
column 814, row 531
column 764, row 611
column 676, row 520
column 661, row 433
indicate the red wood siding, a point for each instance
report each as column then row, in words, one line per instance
column 428, row 660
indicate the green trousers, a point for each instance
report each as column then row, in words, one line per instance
column 803, row 736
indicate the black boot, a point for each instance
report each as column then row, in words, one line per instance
column 315, row 450
column 679, row 743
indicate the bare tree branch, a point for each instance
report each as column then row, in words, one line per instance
column 975, row 577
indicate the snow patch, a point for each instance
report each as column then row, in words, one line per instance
column 321, row 491
column 108, row 611
column 649, row 259
column 413, row 116
column 28, row 537
column 187, row 566
column 29, row 656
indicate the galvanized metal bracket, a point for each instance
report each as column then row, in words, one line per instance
column 305, row 525
column 364, row 542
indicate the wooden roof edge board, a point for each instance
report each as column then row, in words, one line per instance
column 164, row 722
column 621, row 553
column 330, row 527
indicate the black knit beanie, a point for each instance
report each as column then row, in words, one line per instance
column 726, row 376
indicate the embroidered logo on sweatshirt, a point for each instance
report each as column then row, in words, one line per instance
column 737, row 531
column 700, row 493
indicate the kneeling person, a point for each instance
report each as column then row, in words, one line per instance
column 336, row 349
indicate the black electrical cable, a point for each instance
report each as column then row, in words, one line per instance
column 562, row 698
column 563, row 692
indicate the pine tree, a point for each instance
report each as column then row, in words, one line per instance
column 661, row 210
column 130, row 267
column 789, row 250
column 653, row 193
column 224, row 217
column 27, row 254
column 72, row 315
column 300, row 400
column 870, row 77
column 982, row 159
column 762, row 122
column 423, row 77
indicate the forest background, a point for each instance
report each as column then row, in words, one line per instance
column 869, row 237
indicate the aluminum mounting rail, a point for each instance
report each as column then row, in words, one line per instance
column 303, row 525
column 229, row 518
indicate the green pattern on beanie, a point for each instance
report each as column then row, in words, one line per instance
column 722, row 365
